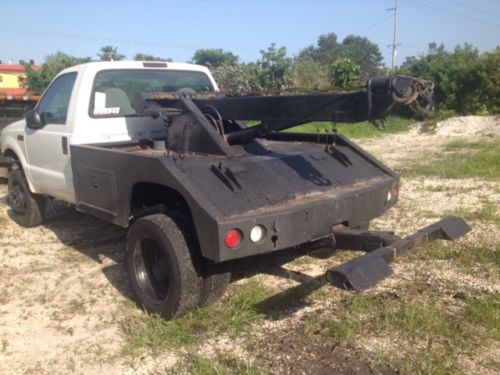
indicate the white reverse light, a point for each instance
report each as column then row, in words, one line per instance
column 257, row 233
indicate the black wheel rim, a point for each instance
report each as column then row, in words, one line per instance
column 17, row 199
column 152, row 270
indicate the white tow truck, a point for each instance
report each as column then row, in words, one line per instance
column 82, row 106
column 154, row 147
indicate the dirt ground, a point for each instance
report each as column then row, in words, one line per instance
column 63, row 286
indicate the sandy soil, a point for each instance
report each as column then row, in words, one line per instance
column 63, row 284
column 399, row 149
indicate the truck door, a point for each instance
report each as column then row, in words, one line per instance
column 48, row 147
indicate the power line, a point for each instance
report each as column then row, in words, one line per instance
column 252, row 6
column 450, row 13
column 377, row 23
column 93, row 38
column 473, row 8
column 63, row 35
column 217, row 4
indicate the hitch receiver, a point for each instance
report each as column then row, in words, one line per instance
column 367, row 270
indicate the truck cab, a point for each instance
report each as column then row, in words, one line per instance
column 92, row 103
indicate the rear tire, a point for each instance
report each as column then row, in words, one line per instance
column 214, row 284
column 161, row 260
column 27, row 208
column 215, row 281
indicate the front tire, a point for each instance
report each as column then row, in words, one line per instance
column 162, row 264
column 27, row 208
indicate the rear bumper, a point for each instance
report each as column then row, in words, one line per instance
column 307, row 218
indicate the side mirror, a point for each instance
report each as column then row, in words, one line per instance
column 33, row 120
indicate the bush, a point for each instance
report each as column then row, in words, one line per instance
column 467, row 82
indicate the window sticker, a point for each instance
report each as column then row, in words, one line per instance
column 100, row 105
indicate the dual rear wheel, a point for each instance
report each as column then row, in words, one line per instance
column 166, row 270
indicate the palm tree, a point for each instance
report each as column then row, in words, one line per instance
column 110, row 53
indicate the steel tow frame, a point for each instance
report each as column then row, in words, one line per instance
column 383, row 248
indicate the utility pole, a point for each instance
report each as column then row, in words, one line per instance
column 395, row 35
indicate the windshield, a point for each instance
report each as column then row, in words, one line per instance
column 115, row 91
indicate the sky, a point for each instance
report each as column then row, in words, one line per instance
column 33, row 29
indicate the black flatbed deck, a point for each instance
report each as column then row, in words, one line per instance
column 295, row 189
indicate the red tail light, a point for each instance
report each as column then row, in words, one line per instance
column 233, row 238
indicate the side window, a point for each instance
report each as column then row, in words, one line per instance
column 53, row 107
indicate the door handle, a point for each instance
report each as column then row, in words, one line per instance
column 64, row 144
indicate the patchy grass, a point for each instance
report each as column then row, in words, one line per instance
column 429, row 337
column 3, row 222
column 4, row 294
column 465, row 255
column 292, row 298
column 221, row 365
column 461, row 160
column 347, row 323
column 461, row 144
column 487, row 212
column 484, row 312
column 69, row 254
column 303, row 261
column 233, row 317
column 359, row 130
column 5, row 345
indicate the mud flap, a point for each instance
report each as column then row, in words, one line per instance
column 367, row 270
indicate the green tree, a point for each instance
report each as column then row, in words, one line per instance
column 309, row 75
column 327, row 50
column 237, row 79
column 489, row 66
column 36, row 81
column 214, row 58
column 363, row 53
column 435, row 49
column 145, row 57
column 275, row 68
column 252, row 73
column 344, row 73
column 110, row 53
column 358, row 49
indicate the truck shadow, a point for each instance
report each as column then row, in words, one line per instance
column 289, row 300
column 99, row 240
column 93, row 238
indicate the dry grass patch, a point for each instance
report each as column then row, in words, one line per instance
column 460, row 159
column 426, row 335
column 236, row 316
column 221, row 364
